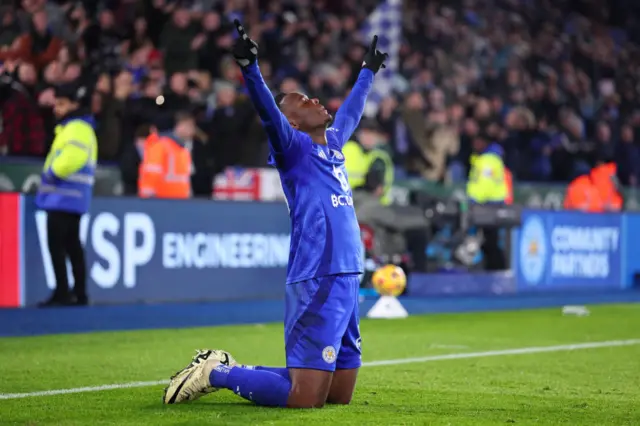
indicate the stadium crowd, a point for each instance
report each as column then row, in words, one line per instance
column 555, row 82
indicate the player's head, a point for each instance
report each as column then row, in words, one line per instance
column 303, row 113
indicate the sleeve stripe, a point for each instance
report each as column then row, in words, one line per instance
column 80, row 145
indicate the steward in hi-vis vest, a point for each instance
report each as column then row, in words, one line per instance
column 66, row 188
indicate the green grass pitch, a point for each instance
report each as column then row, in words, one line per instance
column 586, row 386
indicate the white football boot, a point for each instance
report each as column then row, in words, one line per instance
column 192, row 382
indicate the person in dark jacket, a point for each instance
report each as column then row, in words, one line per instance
column 131, row 159
column 23, row 130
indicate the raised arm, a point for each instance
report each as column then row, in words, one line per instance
column 278, row 128
column 349, row 114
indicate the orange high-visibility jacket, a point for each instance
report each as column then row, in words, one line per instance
column 165, row 170
column 153, row 137
column 583, row 195
column 508, row 179
column 604, row 179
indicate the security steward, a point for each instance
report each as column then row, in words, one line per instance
column 583, row 195
column 605, row 178
column 370, row 171
column 66, row 190
column 487, row 185
column 365, row 158
column 167, row 165
column 597, row 191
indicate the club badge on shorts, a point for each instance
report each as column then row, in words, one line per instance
column 329, row 354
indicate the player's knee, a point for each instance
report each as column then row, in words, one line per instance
column 342, row 386
column 340, row 395
column 306, row 398
column 309, row 388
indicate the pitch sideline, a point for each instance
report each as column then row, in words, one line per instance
column 414, row 360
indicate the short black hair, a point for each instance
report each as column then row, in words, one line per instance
column 183, row 115
column 143, row 131
column 279, row 98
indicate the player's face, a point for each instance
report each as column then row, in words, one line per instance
column 307, row 113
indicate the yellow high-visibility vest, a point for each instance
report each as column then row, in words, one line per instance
column 358, row 162
column 68, row 174
column 487, row 182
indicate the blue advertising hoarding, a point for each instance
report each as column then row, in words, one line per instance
column 461, row 284
column 163, row 250
column 631, row 262
column 569, row 251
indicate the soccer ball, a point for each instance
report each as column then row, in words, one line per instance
column 389, row 280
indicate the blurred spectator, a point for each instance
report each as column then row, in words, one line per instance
column 107, row 45
column 131, row 159
column 628, row 158
column 435, row 140
column 139, row 36
column 108, row 107
column 9, row 29
column 38, row 46
column 180, row 42
column 54, row 12
column 230, row 130
column 217, row 43
column 23, row 131
column 604, row 145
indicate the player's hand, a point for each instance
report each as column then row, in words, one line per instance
column 374, row 59
column 245, row 50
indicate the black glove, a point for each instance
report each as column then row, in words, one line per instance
column 245, row 50
column 374, row 59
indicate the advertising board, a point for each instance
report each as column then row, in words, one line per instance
column 163, row 250
column 568, row 250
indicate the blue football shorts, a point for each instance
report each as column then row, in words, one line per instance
column 322, row 325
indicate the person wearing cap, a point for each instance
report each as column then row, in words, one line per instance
column 66, row 190
column 487, row 185
column 166, row 167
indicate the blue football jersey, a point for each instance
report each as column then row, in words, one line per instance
column 325, row 235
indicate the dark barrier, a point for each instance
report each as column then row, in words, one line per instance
column 162, row 250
